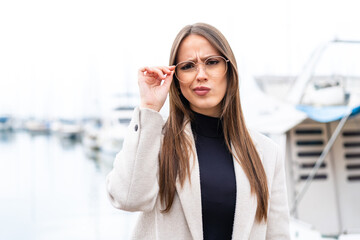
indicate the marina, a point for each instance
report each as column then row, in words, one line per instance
column 49, row 189
column 69, row 83
column 53, row 174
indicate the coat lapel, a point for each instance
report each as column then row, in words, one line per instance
column 190, row 194
column 246, row 203
column 190, row 198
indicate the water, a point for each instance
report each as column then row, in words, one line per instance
column 50, row 190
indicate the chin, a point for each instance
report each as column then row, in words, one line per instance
column 205, row 106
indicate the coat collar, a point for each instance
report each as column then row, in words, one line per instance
column 190, row 193
column 190, row 198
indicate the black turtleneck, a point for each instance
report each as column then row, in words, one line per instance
column 217, row 178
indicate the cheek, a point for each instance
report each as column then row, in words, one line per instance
column 185, row 89
column 222, row 88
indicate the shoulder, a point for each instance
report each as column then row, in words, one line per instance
column 268, row 150
column 262, row 142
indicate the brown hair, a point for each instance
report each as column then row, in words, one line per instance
column 174, row 160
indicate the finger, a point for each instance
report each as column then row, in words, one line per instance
column 168, row 80
column 165, row 69
column 145, row 72
column 157, row 72
column 142, row 71
column 170, row 68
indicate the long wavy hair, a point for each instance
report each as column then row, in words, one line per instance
column 177, row 147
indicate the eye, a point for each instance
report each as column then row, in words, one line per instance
column 187, row 66
column 212, row 61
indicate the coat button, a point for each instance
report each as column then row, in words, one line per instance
column 136, row 127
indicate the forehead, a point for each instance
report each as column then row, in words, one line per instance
column 194, row 47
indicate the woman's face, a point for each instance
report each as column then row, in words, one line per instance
column 205, row 91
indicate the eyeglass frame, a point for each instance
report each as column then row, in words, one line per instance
column 196, row 64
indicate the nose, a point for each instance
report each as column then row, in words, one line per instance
column 201, row 73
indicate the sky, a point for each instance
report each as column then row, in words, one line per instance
column 75, row 58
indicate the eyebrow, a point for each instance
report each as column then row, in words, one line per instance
column 202, row 58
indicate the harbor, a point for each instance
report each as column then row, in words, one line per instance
column 70, row 79
column 53, row 174
column 50, row 189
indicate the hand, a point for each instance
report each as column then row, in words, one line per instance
column 152, row 93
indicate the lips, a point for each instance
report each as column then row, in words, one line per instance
column 201, row 91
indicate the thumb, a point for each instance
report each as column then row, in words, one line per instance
column 168, row 80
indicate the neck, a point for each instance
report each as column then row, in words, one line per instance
column 206, row 125
column 211, row 112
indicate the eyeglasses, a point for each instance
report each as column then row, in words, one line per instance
column 214, row 66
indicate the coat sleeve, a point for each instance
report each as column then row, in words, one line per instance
column 132, row 184
column 278, row 216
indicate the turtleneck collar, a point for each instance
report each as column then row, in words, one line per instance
column 207, row 126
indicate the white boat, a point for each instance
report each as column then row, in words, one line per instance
column 111, row 135
column 37, row 126
column 90, row 135
column 67, row 128
column 318, row 127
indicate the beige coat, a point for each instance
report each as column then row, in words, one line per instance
column 132, row 185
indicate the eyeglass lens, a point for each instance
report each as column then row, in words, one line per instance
column 213, row 66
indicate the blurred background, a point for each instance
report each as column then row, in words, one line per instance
column 68, row 85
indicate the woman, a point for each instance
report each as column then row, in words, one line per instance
column 201, row 174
